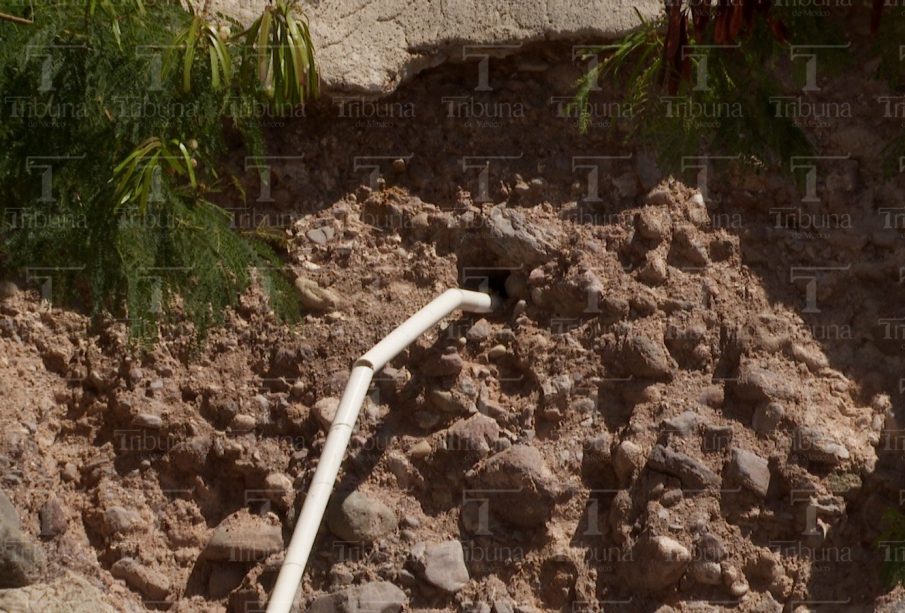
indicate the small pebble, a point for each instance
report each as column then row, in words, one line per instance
column 496, row 352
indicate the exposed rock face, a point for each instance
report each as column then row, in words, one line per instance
column 577, row 500
column 372, row 47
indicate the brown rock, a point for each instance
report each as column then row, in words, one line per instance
column 53, row 518
column 691, row 472
column 658, row 562
column 147, row 581
column 749, row 470
column 645, row 358
column 472, row 438
column 243, row 537
column 518, row 486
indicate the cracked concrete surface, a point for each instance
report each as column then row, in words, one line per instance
column 369, row 47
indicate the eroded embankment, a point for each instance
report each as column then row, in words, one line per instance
column 683, row 399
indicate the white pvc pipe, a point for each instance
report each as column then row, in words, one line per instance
column 363, row 370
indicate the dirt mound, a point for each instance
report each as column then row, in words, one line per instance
column 682, row 401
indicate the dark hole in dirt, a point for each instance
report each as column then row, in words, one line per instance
column 487, row 279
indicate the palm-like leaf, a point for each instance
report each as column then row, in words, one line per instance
column 281, row 45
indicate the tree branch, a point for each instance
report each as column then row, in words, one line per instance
column 14, row 19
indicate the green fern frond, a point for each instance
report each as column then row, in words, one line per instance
column 123, row 222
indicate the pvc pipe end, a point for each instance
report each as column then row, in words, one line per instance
column 477, row 302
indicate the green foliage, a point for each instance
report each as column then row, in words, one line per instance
column 113, row 121
column 888, row 48
column 891, row 543
column 725, row 106
column 282, row 48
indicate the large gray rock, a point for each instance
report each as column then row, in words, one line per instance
column 70, row 593
column 691, row 472
column 8, row 511
column 818, row 446
column 21, row 558
column 371, row 47
column 515, row 241
column 374, row 597
column 442, row 565
column 360, row 518
column 750, row 471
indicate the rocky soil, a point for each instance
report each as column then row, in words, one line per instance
column 686, row 401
